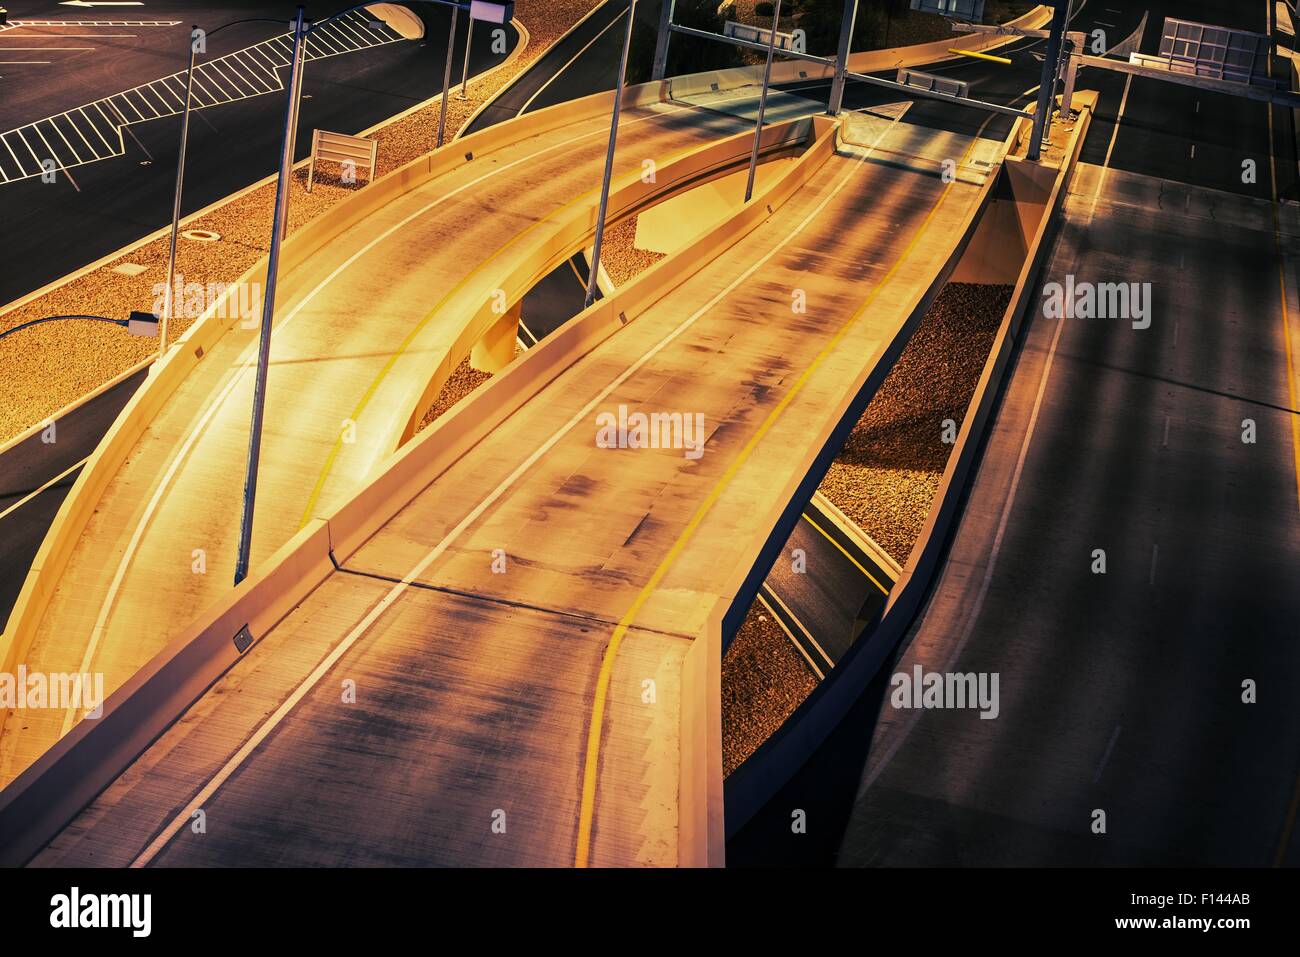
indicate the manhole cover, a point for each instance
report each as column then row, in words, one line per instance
column 201, row 235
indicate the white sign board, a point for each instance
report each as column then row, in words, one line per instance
column 350, row 152
column 762, row 35
column 491, row 12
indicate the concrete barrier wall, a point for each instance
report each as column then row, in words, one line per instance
column 40, row 802
column 570, row 230
column 71, row 774
column 752, row 784
column 422, row 460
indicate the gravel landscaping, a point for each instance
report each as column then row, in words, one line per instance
column 885, row 479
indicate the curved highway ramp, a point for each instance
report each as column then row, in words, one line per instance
column 514, row 659
column 368, row 327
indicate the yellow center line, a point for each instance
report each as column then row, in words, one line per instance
column 587, row 808
column 846, row 552
column 627, row 181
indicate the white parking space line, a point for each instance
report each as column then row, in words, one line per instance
column 237, row 76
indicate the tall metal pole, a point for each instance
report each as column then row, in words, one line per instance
column 1046, row 92
column 169, row 295
column 446, row 76
column 469, row 42
column 609, row 159
column 661, row 43
column 268, row 307
column 762, row 103
column 842, row 56
column 296, row 102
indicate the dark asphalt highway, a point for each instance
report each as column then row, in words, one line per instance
column 54, row 229
column 1122, row 692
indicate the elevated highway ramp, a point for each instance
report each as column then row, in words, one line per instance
column 367, row 329
column 519, row 665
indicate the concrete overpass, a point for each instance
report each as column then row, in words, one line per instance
column 382, row 299
column 531, row 623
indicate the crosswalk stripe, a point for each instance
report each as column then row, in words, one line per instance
column 243, row 74
column 77, row 159
column 77, row 129
column 22, row 170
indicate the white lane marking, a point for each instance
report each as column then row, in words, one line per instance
column 1114, row 135
column 32, row 494
column 821, row 675
column 250, row 356
column 529, row 102
column 799, row 624
column 968, row 627
column 1110, row 746
column 260, row 735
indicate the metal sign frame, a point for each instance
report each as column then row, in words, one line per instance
column 1219, row 53
column 342, row 149
column 972, row 10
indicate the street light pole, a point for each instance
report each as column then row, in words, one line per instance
column 842, row 57
column 469, row 42
column 1046, row 89
column 169, row 293
column 660, row 66
column 268, row 304
column 295, row 82
column 446, row 76
column 609, row 159
column 762, row 102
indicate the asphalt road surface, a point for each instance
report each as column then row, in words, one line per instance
column 1120, row 692
column 36, row 473
column 52, row 229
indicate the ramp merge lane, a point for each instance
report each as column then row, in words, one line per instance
column 515, row 635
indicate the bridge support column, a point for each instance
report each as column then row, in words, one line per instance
column 842, row 56
column 494, row 351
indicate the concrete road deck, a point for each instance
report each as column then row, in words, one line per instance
column 474, row 689
column 352, row 344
